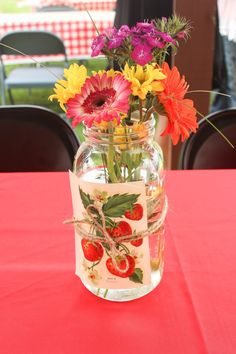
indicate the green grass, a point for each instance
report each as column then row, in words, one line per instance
column 40, row 96
column 10, row 6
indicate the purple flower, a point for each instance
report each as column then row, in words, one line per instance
column 141, row 54
column 98, row 44
column 160, row 44
column 151, row 41
column 136, row 40
column 145, row 27
column 124, row 31
column 115, row 37
column 115, row 42
column 166, row 37
column 141, row 29
column 110, row 32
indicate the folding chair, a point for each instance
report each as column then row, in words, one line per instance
column 206, row 149
column 54, row 8
column 32, row 43
column 34, row 138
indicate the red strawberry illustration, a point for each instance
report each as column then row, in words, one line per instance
column 137, row 243
column 121, row 229
column 136, row 213
column 93, row 251
column 125, row 228
column 122, row 265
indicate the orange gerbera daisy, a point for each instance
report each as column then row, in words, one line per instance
column 180, row 111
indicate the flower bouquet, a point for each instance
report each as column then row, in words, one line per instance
column 117, row 182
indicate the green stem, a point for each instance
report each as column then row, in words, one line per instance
column 148, row 106
column 108, row 254
column 141, row 110
column 105, row 294
column 130, row 175
column 216, row 129
column 121, row 245
column 104, row 165
column 93, row 265
column 94, row 24
column 207, row 91
column 110, row 157
column 118, row 171
column 219, row 132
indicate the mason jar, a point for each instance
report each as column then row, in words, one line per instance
column 119, row 207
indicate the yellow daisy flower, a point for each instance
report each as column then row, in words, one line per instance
column 61, row 94
column 110, row 72
column 66, row 89
column 76, row 76
column 144, row 79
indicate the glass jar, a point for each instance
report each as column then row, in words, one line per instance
column 122, row 158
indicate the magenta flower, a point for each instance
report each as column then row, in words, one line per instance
column 98, row 44
column 110, row 32
column 153, row 41
column 181, row 35
column 115, row 42
column 145, row 27
column 141, row 43
column 136, row 40
column 124, row 31
column 166, row 37
column 115, row 38
column 141, row 54
column 145, row 33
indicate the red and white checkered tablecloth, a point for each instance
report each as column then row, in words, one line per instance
column 91, row 5
column 75, row 29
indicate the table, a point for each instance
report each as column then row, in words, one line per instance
column 74, row 28
column 91, row 5
column 44, row 308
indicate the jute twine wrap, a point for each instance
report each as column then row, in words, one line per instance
column 156, row 217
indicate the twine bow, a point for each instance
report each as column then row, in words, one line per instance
column 156, row 222
column 115, row 253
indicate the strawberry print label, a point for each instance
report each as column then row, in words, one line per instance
column 111, row 213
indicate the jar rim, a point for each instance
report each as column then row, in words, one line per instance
column 120, row 131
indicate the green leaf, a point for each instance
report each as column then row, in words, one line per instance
column 110, row 222
column 107, row 247
column 86, row 200
column 118, row 204
column 137, row 276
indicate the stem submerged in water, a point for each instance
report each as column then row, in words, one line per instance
column 110, row 157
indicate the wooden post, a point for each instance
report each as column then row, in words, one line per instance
column 195, row 57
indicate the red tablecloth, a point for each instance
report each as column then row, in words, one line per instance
column 74, row 28
column 44, row 308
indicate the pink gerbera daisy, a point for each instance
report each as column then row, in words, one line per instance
column 102, row 98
